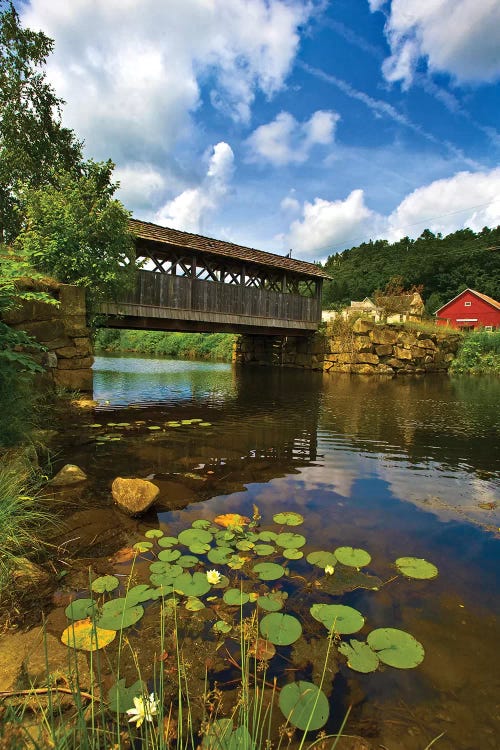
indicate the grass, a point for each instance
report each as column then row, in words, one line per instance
column 22, row 514
column 478, row 355
column 215, row 346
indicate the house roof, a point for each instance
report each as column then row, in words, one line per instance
column 484, row 297
column 144, row 230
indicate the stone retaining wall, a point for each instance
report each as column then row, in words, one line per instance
column 63, row 331
column 366, row 348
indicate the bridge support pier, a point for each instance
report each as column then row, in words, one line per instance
column 306, row 352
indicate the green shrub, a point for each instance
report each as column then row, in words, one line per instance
column 214, row 346
column 479, row 354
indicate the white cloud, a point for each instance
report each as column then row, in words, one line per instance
column 467, row 199
column 139, row 184
column 188, row 210
column 130, row 71
column 290, row 205
column 286, row 141
column 459, row 37
column 325, row 224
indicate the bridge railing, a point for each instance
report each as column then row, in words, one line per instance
column 184, row 293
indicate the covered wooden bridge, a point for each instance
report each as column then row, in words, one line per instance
column 195, row 283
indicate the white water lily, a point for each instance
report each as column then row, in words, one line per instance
column 213, row 576
column 143, row 711
column 329, row 570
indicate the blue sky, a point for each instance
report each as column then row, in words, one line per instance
column 280, row 124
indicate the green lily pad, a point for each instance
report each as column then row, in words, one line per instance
column 224, row 537
column 121, row 698
column 273, row 601
column 116, row 614
column 166, row 568
column 280, row 629
column 288, row 518
column 169, row 555
column 80, row 609
column 142, row 546
column 293, row 554
column 349, row 579
column 195, row 536
column 354, row 558
column 360, row 656
column 289, row 540
column 321, row 559
column 235, row 597
column 187, row 561
column 192, row 585
column 168, row 541
column 269, row 571
column 221, row 735
column 267, row 536
column 105, row 583
column 153, row 533
column 193, row 604
column 244, row 545
column 344, row 620
column 220, row 555
column 236, row 562
column 198, row 548
column 223, row 583
column 201, row 523
column 204, row 424
column 263, row 550
column 304, row 705
column 139, row 594
column 222, row 627
column 416, row 567
column 154, row 427
column 396, row 648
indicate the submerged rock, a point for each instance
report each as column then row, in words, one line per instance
column 68, row 475
column 134, row 496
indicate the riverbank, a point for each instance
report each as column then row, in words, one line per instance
column 479, row 354
column 212, row 346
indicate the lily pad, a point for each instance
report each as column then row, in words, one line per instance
column 273, row 601
column 289, row 540
column 192, row 585
column 195, row 536
column 220, row 555
column 139, row 594
column 153, row 533
column 235, row 597
column 166, row 568
column 288, row 518
column 121, row 698
column 293, row 554
column 105, row 583
column 201, row 523
column 199, row 548
column 80, row 608
column 360, row 656
column 280, row 629
column 262, row 650
column 268, row 571
column 304, row 705
column 168, row 541
column 343, row 619
column 117, row 614
column 142, row 546
column 267, row 536
column 349, row 579
column 85, row 636
column 232, row 520
column 193, row 604
column 187, row 561
column 321, row 559
column 354, row 558
column 169, row 555
column 396, row 648
column 263, row 550
column 221, row 735
column 222, row 627
column 416, row 567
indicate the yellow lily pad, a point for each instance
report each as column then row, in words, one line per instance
column 85, row 636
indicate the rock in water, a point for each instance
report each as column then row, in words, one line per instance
column 134, row 496
column 68, row 475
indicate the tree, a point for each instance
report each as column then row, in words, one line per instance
column 76, row 231
column 33, row 143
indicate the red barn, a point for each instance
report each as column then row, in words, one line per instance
column 470, row 309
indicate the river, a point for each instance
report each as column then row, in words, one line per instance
column 401, row 467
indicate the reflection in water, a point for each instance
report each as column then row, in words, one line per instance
column 398, row 467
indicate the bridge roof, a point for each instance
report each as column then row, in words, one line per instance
column 159, row 235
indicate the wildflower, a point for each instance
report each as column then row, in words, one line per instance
column 143, row 710
column 213, row 576
column 329, row 570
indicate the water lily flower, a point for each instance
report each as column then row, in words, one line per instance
column 143, row 710
column 213, row 576
column 329, row 570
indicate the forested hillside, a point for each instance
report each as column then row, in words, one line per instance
column 443, row 265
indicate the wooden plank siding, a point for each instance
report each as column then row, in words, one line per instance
column 161, row 295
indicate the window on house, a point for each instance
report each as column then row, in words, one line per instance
column 468, row 304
